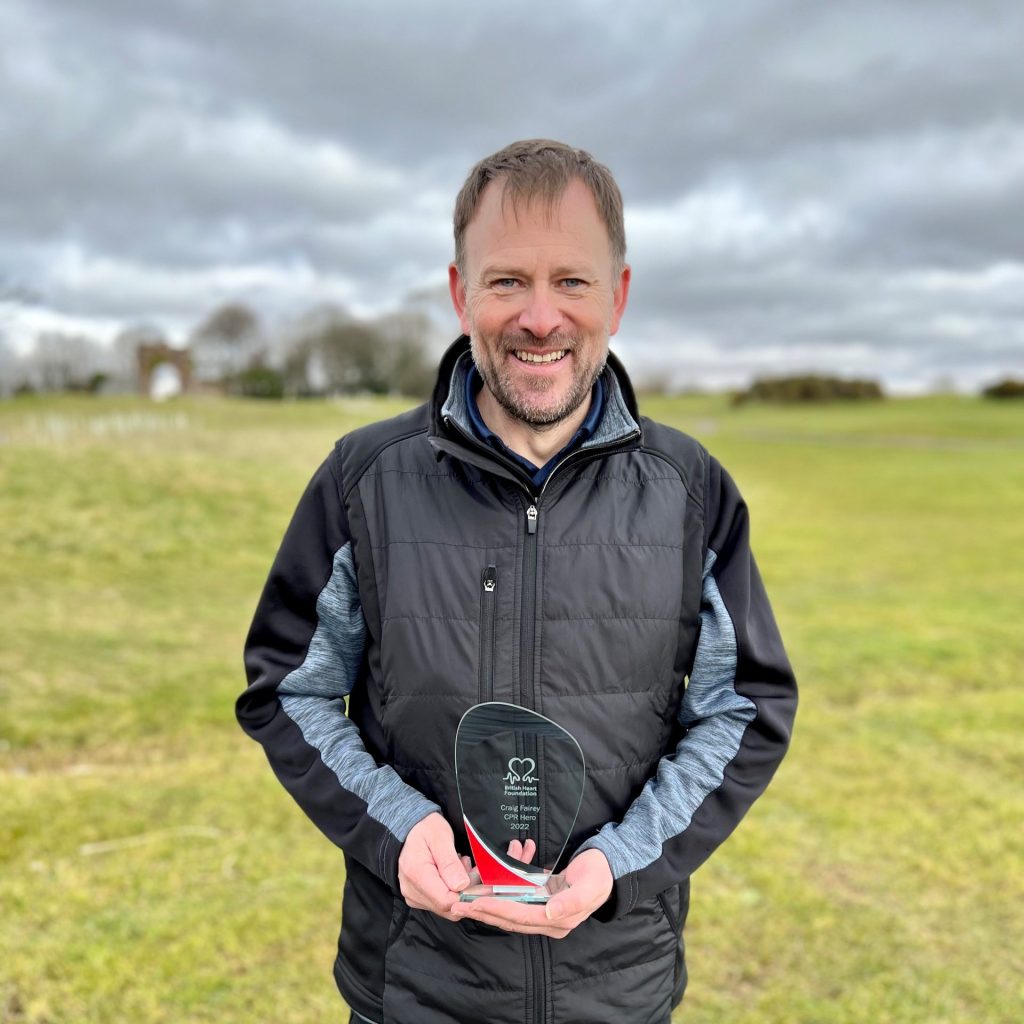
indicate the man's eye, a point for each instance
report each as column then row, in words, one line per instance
column 573, row 282
column 506, row 282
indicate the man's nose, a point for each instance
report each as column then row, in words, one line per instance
column 541, row 314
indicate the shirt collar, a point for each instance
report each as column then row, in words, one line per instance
column 616, row 423
column 473, row 384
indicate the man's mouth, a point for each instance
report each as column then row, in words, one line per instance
column 531, row 357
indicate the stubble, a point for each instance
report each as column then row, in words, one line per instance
column 522, row 398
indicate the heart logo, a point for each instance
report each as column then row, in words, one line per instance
column 526, row 766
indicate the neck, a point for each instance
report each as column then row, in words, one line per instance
column 538, row 444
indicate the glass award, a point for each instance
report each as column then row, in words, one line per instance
column 520, row 777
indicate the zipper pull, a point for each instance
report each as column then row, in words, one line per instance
column 531, row 519
column 490, row 579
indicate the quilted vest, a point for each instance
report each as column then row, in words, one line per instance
column 580, row 602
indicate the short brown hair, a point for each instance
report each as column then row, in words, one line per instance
column 542, row 168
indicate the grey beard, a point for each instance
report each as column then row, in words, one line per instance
column 500, row 386
column 550, row 418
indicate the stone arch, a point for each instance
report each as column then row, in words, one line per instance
column 150, row 356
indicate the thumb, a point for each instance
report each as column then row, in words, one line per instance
column 565, row 903
column 586, row 884
column 449, row 867
column 454, row 874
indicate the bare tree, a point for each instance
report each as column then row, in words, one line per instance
column 8, row 368
column 226, row 342
column 406, row 364
column 13, row 371
column 337, row 353
column 65, row 362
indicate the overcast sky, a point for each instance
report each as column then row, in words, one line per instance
column 809, row 185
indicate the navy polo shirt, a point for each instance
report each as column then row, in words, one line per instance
column 538, row 474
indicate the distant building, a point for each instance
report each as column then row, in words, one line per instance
column 163, row 371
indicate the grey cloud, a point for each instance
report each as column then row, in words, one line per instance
column 793, row 171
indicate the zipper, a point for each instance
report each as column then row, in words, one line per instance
column 527, row 637
column 527, row 696
column 670, row 914
column 488, row 611
column 538, row 972
column 527, row 623
column 673, row 921
column 579, row 455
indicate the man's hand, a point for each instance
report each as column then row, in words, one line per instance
column 579, row 890
column 430, row 873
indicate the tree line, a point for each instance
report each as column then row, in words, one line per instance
column 328, row 351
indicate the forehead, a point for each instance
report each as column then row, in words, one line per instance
column 530, row 228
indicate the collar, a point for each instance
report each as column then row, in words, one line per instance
column 474, row 382
column 618, row 418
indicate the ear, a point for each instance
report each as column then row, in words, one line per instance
column 620, row 298
column 457, row 288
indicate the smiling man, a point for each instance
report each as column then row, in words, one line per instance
column 538, row 291
column 525, row 537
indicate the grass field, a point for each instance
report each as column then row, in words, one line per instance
column 152, row 869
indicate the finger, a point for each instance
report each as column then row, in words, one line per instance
column 560, row 906
column 521, row 851
column 425, row 885
column 553, row 931
column 445, row 912
column 474, row 875
column 450, row 867
column 453, row 873
column 568, row 902
column 442, row 911
column 504, row 912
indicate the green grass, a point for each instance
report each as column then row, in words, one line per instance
column 152, row 870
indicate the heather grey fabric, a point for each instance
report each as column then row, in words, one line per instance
column 715, row 717
column 312, row 696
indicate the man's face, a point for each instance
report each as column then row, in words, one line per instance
column 539, row 301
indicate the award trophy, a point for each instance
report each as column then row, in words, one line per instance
column 520, row 776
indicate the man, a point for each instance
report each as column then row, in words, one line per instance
column 525, row 537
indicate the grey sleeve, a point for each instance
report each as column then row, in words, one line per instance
column 303, row 655
column 737, row 713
